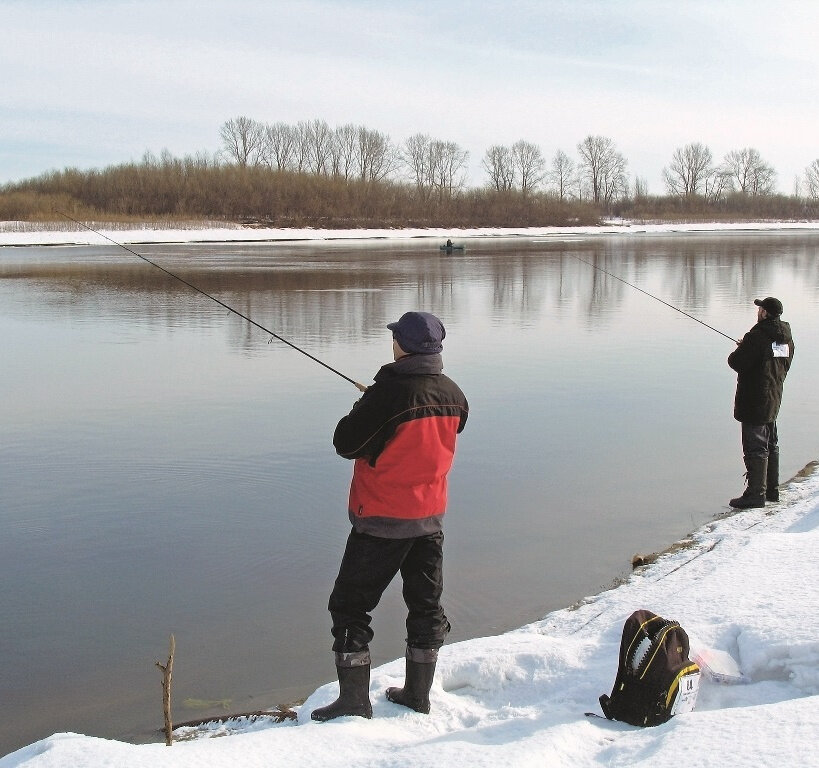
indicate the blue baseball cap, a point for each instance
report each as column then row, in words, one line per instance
column 419, row 332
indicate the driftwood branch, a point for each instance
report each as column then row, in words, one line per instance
column 167, row 676
column 278, row 715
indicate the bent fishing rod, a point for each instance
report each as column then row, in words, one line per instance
column 360, row 387
column 677, row 309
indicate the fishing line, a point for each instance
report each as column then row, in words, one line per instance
column 361, row 387
column 677, row 309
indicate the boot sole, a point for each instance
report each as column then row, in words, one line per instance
column 320, row 717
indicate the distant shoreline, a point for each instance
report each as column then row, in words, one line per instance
column 33, row 234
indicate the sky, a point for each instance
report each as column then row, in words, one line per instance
column 744, row 591
column 91, row 83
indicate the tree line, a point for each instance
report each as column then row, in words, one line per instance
column 598, row 173
column 312, row 174
column 436, row 168
column 202, row 187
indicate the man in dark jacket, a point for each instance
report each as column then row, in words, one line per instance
column 401, row 434
column 762, row 360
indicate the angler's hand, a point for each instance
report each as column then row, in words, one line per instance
column 362, row 388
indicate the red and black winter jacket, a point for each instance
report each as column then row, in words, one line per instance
column 401, row 434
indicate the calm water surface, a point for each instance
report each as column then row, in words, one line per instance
column 164, row 469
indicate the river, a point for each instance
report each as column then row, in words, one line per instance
column 166, row 467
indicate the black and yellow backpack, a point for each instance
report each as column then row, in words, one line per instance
column 655, row 678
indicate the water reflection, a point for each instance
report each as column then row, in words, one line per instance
column 305, row 292
column 295, row 291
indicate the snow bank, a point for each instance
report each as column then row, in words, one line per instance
column 22, row 233
column 744, row 585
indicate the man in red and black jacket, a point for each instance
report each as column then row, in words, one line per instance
column 401, row 434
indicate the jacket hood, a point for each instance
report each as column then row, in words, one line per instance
column 778, row 330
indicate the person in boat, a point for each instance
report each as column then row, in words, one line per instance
column 762, row 360
column 401, row 435
column 449, row 243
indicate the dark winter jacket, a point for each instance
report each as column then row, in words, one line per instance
column 762, row 361
column 401, row 434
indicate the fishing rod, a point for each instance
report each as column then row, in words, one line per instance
column 594, row 266
column 361, row 387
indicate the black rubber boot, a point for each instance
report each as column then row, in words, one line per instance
column 772, row 481
column 754, row 495
column 418, row 680
column 354, row 688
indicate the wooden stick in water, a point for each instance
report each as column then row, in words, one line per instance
column 167, row 676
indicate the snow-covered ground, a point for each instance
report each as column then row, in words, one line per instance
column 68, row 233
column 745, row 585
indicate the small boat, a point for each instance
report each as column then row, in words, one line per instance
column 450, row 247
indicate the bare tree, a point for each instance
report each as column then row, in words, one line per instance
column 562, row 174
column 319, row 138
column 763, row 179
column 498, row 163
column 615, row 179
column 812, row 180
column 434, row 166
column 528, row 163
column 344, row 151
column 415, row 156
column 640, row 187
column 377, row 157
column 582, row 187
column 279, row 146
column 243, row 140
column 717, row 185
column 301, row 147
column 447, row 167
column 690, row 169
column 200, row 161
column 593, row 150
column 603, row 168
column 748, row 173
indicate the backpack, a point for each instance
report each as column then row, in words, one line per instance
column 655, row 678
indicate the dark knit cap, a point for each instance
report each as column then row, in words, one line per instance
column 419, row 332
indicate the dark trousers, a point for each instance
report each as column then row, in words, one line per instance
column 368, row 566
column 760, row 439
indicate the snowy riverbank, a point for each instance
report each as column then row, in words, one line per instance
column 745, row 584
column 68, row 233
